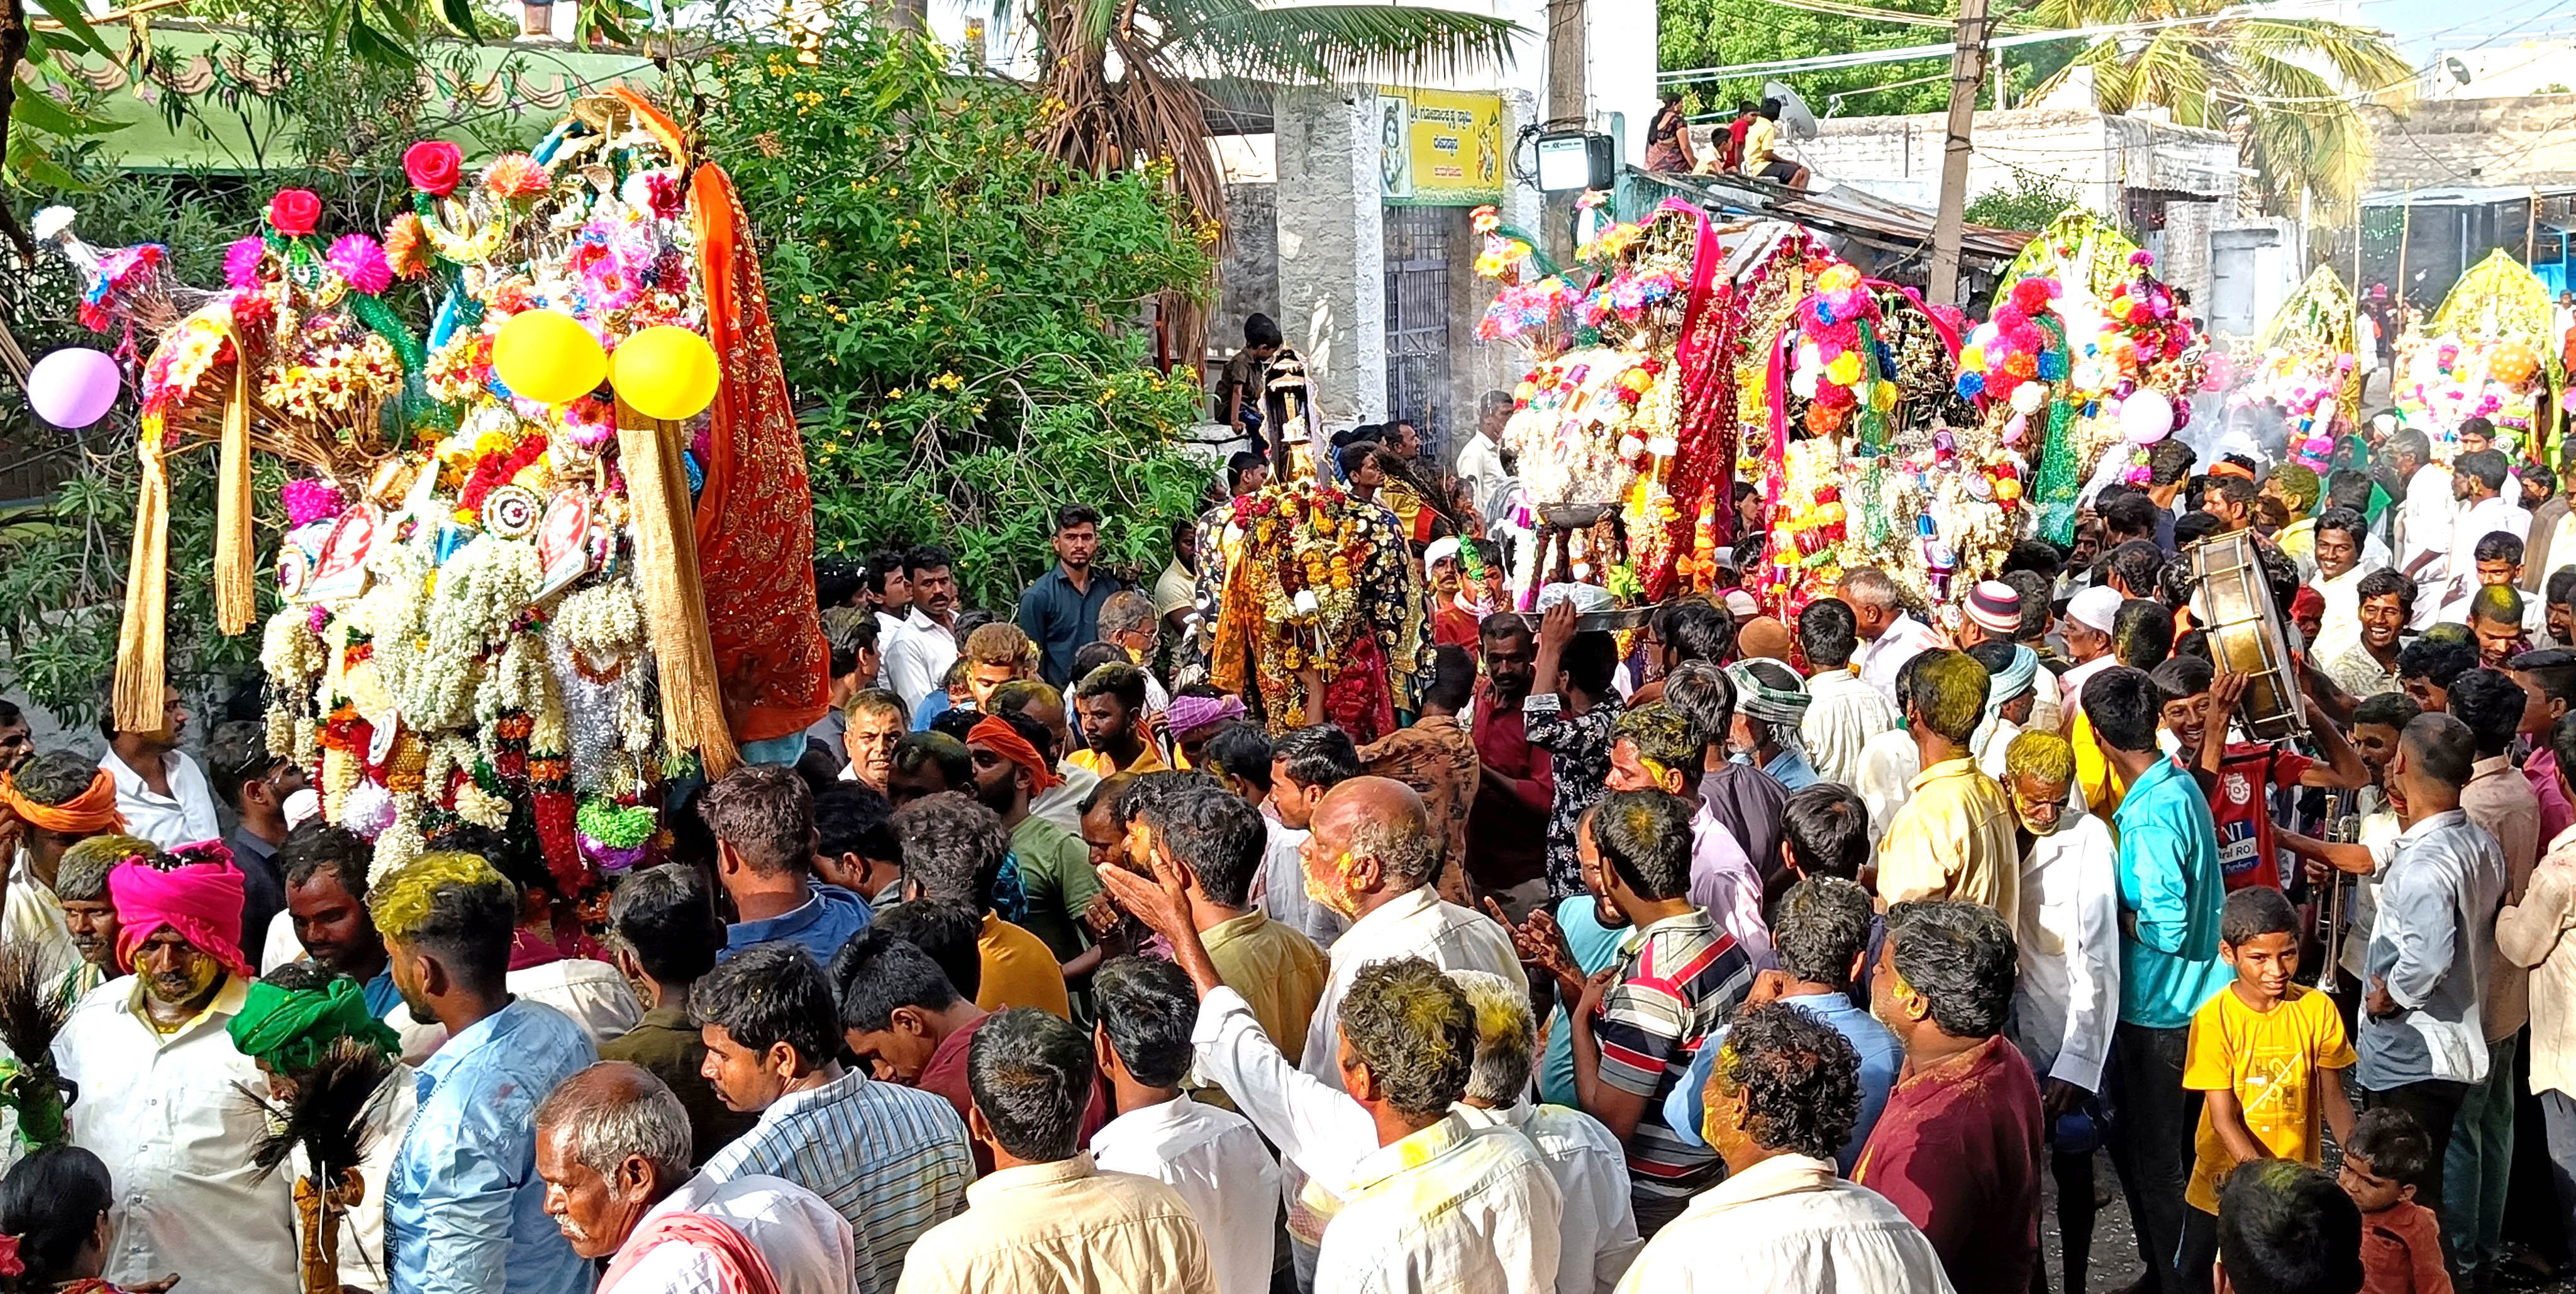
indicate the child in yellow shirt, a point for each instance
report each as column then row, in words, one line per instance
column 2267, row 1054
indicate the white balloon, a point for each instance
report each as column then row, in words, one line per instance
column 2146, row 416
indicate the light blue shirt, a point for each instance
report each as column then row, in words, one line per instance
column 1790, row 769
column 464, row 1208
column 1594, row 946
column 2432, row 944
column 1881, row 1056
column 821, row 924
column 2171, row 889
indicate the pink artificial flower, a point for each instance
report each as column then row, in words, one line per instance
column 360, row 262
column 241, row 262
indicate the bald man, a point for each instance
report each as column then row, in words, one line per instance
column 1371, row 858
column 1889, row 636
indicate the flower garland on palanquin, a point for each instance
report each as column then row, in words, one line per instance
column 1313, row 582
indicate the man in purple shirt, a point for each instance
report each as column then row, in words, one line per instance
column 2548, row 679
column 1746, row 799
column 1651, row 749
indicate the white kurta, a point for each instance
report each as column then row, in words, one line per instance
column 1215, row 1159
column 183, row 817
column 2067, row 996
column 1843, row 713
column 1903, row 640
column 168, row 1117
column 807, row 1245
column 1788, row 1223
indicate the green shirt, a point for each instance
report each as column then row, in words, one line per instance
column 671, row 1049
column 1056, row 877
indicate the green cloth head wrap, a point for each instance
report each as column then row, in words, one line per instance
column 290, row 1029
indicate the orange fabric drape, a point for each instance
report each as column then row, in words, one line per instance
column 755, row 513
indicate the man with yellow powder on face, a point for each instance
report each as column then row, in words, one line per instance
column 157, row 1074
column 464, row 1207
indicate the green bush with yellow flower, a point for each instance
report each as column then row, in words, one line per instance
column 964, row 321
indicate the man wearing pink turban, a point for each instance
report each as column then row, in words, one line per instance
column 160, row 1085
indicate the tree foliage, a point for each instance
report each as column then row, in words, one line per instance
column 2295, row 85
column 2028, row 204
column 1721, row 33
column 956, row 307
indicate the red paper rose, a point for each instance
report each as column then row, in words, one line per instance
column 434, row 167
column 294, row 212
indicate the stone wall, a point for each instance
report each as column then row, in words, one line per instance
column 1331, row 248
column 1248, row 275
column 2475, row 142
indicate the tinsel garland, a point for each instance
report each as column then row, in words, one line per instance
column 2058, row 480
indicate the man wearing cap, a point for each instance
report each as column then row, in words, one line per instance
column 158, row 1074
column 1893, row 637
column 1056, row 875
column 1770, row 701
column 2089, row 616
column 2010, row 671
column 1994, row 614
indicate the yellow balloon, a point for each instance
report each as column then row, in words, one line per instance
column 666, row 372
column 546, row 356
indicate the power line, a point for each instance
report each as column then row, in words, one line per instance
column 1909, row 53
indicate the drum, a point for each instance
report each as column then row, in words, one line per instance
column 2245, row 634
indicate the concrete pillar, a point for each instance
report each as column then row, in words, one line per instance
column 1332, row 270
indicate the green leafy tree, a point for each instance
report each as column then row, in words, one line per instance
column 1722, row 33
column 2291, row 89
column 2028, row 203
column 956, row 307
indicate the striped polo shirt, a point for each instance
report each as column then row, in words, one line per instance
column 1680, row 981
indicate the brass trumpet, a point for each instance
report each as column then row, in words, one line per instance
column 2342, row 827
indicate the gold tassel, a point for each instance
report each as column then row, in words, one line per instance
column 236, row 599
column 141, row 643
column 675, row 610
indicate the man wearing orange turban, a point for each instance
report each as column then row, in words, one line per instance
column 48, row 804
column 1055, row 866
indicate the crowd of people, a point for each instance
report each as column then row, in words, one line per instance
column 1759, row 952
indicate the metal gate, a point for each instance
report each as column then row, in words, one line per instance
column 1417, row 320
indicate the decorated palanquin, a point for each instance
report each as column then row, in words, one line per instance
column 1630, row 422
column 1313, row 609
column 2304, row 365
column 2486, row 353
column 1903, row 439
column 544, row 555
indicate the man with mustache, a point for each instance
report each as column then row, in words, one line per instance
column 613, row 1148
column 157, row 1074
column 2066, row 997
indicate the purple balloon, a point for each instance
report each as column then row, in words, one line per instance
column 73, row 387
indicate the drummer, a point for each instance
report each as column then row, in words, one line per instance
column 2200, row 705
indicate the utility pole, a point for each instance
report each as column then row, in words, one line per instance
column 1568, row 101
column 1967, row 74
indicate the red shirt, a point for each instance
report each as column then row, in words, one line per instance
column 2401, row 1251
column 2241, row 803
column 1507, row 828
column 1730, row 155
column 1956, row 1150
column 1454, row 626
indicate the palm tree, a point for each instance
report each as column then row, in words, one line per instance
column 1128, row 72
column 2289, row 89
